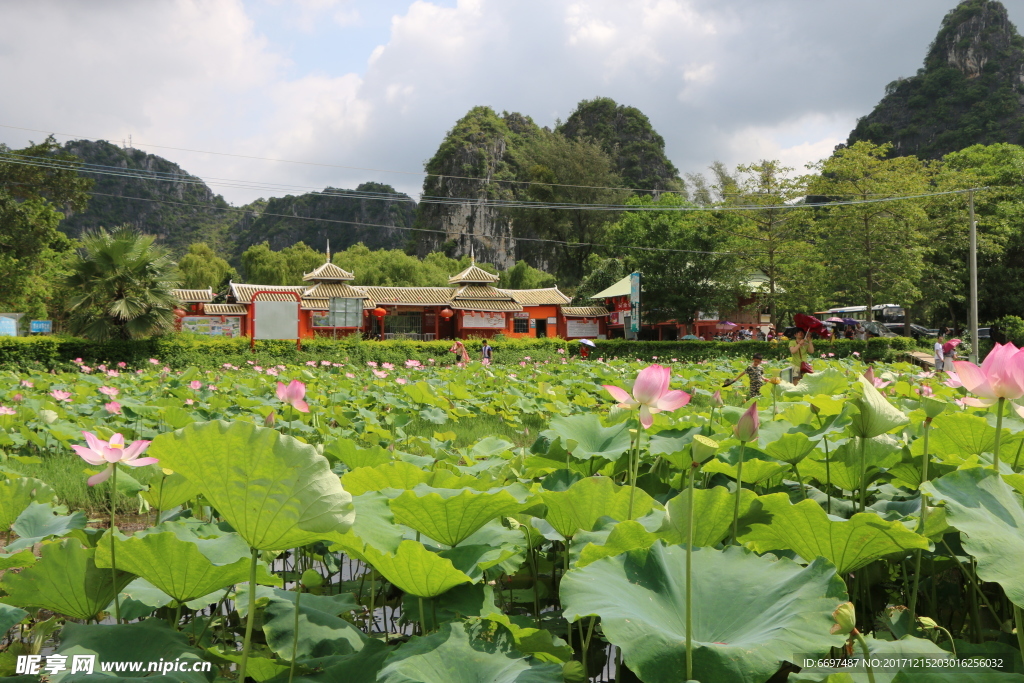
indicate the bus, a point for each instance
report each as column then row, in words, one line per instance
column 883, row 313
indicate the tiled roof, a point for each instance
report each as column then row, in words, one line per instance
column 334, row 290
column 414, row 296
column 485, row 305
column 243, row 293
column 473, row 274
column 226, row 309
column 584, row 311
column 315, row 304
column 193, row 296
column 328, row 271
column 538, row 297
column 479, row 292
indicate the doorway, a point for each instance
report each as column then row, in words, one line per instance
column 542, row 327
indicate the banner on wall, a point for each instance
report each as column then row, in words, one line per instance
column 483, row 320
column 213, row 326
column 582, row 327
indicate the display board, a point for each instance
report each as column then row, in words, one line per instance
column 8, row 327
column 40, row 326
column 276, row 320
column 214, row 326
column 581, row 327
column 483, row 320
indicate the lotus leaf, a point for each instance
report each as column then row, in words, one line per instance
column 875, row 415
column 624, row 537
column 22, row 558
column 374, row 525
column 354, row 455
column 791, row 447
column 274, row 490
column 416, row 570
column 448, row 518
column 321, row 633
column 40, row 520
column 582, row 504
column 712, row 515
column 776, row 610
column 585, row 437
column 168, row 491
column 16, row 494
column 9, row 616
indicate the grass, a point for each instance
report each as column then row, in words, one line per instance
column 65, row 473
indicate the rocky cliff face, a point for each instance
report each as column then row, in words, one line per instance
column 970, row 90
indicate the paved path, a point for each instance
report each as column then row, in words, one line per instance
column 921, row 358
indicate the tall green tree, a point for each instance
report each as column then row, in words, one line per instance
column 34, row 194
column 875, row 249
column 524, row 276
column 201, row 267
column 121, row 286
column 264, row 266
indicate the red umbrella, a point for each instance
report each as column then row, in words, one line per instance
column 950, row 345
column 809, row 324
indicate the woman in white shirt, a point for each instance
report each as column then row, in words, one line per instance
column 938, row 353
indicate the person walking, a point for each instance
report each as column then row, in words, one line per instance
column 754, row 373
column 939, row 341
column 800, row 351
column 459, row 349
column 485, row 352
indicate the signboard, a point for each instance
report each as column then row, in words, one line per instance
column 8, row 327
column 40, row 326
column 276, row 320
column 581, row 327
column 707, row 315
column 521, row 314
column 634, row 302
column 214, row 326
column 483, row 320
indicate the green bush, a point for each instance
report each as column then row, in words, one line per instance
column 1009, row 328
column 181, row 351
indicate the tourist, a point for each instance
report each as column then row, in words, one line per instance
column 485, row 352
column 755, row 373
column 939, row 341
column 800, row 351
column 459, row 349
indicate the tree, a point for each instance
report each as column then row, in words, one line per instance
column 264, row 266
column 201, row 267
column 874, row 248
column 680, row 255
column 602, row 273
column 524, row 276
column 121, row 286
column 32, row 196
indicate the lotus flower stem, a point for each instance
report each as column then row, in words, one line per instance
column 867, row 655
column 423, row 616
column 689, row 575
column 739, row 490
column 113, row 564
column 921, row 519
column 803, row 489
column 999, row 434
column 1017, row 459
column 249, row 617
column 634, row 468
column 295, row 624
column 863, row 474
column 973, row 582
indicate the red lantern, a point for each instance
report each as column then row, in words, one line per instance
column 379, row 312
column 446, row 313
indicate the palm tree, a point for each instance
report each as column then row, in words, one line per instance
column 121, row 286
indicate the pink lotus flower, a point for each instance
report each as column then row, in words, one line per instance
column 380, row 374
column 4, row 410
column 189, row 401
column 1001, row 375
column 857, row 354
column 311, row 363
column 18, row 398
column 876, row 382
column 114, row 408
column 110, row 391
column 257, row 368
column 371, row 363
column 212, row 387
column 113, row 373
column 412, row 363
column 122, row 364
column 272, row 372
column 748, row 425
column 925, row 390
column 325, row 362
column 110, row 453
column 293, row 395
column 650, row 393
column 85, row 368
column 387, row 366
column 154, row 361
column 101, row 367
column 77, row 361
column 716, row 399
column 831, row 355
column 402, row 380
column 26, row 383
column 61, row 395
column 350, row 375
column 227, row 366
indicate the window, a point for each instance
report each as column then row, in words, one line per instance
column 345, row 313
column 521, row 325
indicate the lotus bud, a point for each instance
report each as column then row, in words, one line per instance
column 846, row 619
column 702, row 448
column 49, row 416
column 269, row 420
column 933, row 407
column 749, row 423
column 716, row 399
column 814, row 409
column 312, row 579
column 927, row 623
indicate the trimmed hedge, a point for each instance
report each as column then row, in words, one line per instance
column 182, row 350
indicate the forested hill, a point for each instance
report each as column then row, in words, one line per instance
column 970, row 90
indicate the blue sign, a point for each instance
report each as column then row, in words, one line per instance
column 40, row 327
column 8, row 327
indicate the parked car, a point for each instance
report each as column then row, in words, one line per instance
column 984, row 332
column 916, row 331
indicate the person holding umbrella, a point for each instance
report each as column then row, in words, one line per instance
column 949, row 354
column 800, row 351
column 585, row 346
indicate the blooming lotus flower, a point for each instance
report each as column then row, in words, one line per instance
column 110, row 391
column 1001, row 375
column 402, row 380
column 61, row 395
column 26, row 383
column 748, row 425
column 114, row 408
column 925, row 390
column 272, row 372
column 325, row 363
column 350, row 375
column 293, row 394
column 380, row 374
column 154, row 361
column 650, row 393
column 195, row 385
column 109, row 453
column 387, row 366
column 954, row 381
column 876, row 382
column 212, row 387
column 4, row 410
column 122, row 364
column 18, row 398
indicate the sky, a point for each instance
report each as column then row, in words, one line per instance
column 274, row 97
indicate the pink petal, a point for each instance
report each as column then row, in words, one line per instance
column 1019, row 409
column 135, row 449
column 978, row 403
column 94, row 441
column 618, row 393
column 296, row 390
column 140, row 462
column 973, row 378
column 116, row 440
column 282, row 391
column 300, row 405
column 101, row 477
column 88, row 455
column 673, row 400
column 999, row 354
column 651, row 384
column 113, row 454
column 646, row 418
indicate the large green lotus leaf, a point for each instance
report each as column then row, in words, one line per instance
column 461, row 653
column 359, row 667
column 65, row 580
column 845, row 475
column 712, row 515
column 989, row 516
column 275, row 491
column 22, row 558
column 41, row 520
column 907, row 649
column 260, row 667
column 757, row 467
column 792, row 447
column 875, row 415
column 393, row 475
column 9, row 616
column 828, row 382
column 182, row 564
column 582, row 504
column 139, row 599
column 450, row 519
column 806, row 529
column 776, row 609
column 168, row 491
column 536, row 642
column 354, row 455
column 673, row 445
column 955, row 436
column 17, row 493
column 321, row 633
column 585, row 437
column 416, row 570
column 374, row 526
column 149, row 641
column 624, row 537
column 490, row 446
column 467, row 600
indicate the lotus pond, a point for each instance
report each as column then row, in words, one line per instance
column 537, row 523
